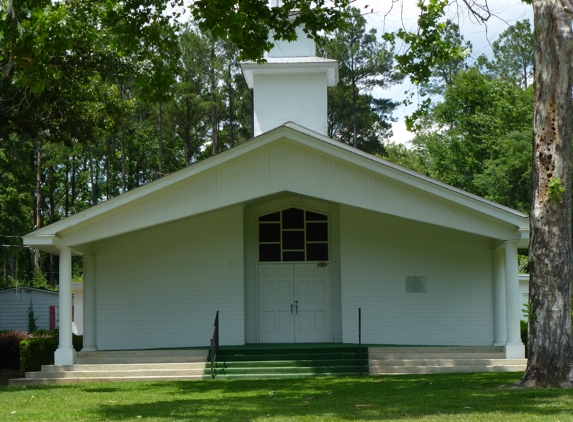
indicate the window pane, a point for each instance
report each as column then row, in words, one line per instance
column 270, row 232
column 317, row 251
column 275, row 216
column 293, row 256
column 293, row 218
column 269, row 252
column 313, row 216
column 293, row 240
column 316, row 232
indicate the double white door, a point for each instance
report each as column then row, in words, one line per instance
column 294, row 303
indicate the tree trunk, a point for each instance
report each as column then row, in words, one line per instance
column 92, row 179
column 38, row 197
column 187, row 134
column 160, row 121
column 109, row 152
column 52, row 199
column 231, row 111
column 354, row 125
column 73, row 183
column 123, row 184
column 550, row 346
column 67, row 188
column 214, row 123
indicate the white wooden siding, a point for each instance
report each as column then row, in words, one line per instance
column 161, row 287
column 287, row 166
column 379, row 251
column 14, row 308
column 251, row 258
column 302, row 100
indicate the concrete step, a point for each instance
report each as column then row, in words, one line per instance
column 140, row 359
column 437, row 349
column 124, row 367
column 446, row 352
column 139, row 373
column 446, row 362
column 401, row 356
column 395, row 370
column 45, row 381
column 142, row 356
column 155, row 352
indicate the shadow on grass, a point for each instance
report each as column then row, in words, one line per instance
column 443, row 397
column 351, row 398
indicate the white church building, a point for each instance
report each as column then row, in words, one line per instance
column 287, row 236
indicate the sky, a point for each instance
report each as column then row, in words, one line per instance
column 404, row 13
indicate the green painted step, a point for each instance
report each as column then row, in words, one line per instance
column 288, row 370
column 290, row 363
column 256, row 350
column 240, row 357
column 285, row 375
column 257, row 361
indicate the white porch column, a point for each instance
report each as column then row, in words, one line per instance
column 65, row 354
column 514, row 348
column 89, row 304
column 499, row 302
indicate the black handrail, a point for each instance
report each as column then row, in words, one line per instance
column 214, row 345
column 360, row 341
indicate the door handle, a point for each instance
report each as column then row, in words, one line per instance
column 296, row 306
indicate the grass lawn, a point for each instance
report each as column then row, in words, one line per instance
column 449, row 397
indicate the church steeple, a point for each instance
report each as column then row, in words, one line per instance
column 291, row 85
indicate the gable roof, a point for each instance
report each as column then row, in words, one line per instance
column 35, row 289
column 49, row 238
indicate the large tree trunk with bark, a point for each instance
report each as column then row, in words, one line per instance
column 550, row 344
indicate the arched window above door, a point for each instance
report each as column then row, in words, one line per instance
column 293, row 234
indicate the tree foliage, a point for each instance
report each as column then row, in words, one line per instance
column 355, row 117
column 469, row 134
column 513, row 54
column 78, row 117
column 251, row 25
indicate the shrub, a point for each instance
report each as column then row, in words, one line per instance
column 524, row 334
column 10, row 348
column 78, row 342
column 36, row 352
column 40, row 350
column 32, row 327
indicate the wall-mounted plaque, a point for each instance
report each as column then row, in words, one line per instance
column 416, row 284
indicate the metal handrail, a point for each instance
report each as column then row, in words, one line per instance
column 214, row 345
column 360, row 341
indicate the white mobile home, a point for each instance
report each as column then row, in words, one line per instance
column 15, row 304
